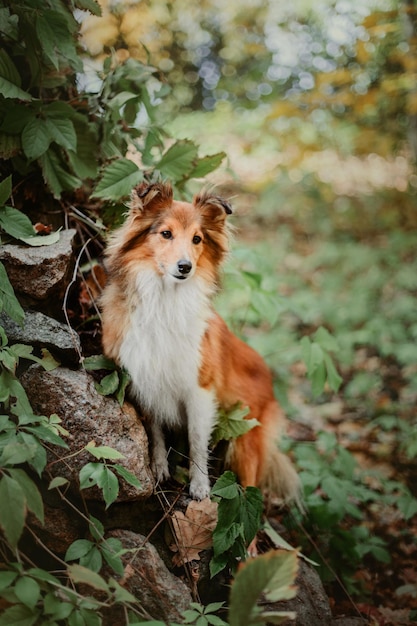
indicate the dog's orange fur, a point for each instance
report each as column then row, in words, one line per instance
column 235, row 372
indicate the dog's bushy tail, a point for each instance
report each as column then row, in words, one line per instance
column 257, row 460
column 279, row 481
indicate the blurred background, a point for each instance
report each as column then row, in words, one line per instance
column 315, row 106
column 304, row 115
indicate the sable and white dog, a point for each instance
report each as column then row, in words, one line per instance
column 158, row 323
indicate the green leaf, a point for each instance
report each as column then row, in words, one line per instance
column 112, row 559
column 251, row 512
column 232, row 424
column 9, row 24
column 266, row 304
column 117, row 180
column 7, row 358
column 15, row 223
column 80, row 574
column 46, row 34
column 10, row 80
column 47, row 361
column 407, row 504
column 33, row 497
column 6, row 579
column 42, row 240
column 226, row 486
column 272, row 573
column 178, row 160
column 190, row 615
column 333, row 377
column 62, row 131
column 17, row 452
column 110, row 487
column 57, row 175
column 89, row 5
column 215, row 620
column 316, row 359
column 5, row 190
column 98, row 362
column 77, row 549
column 43, row 575
column 55, row 607
column 46, row 433
column 27, row 591
column 103, row 452
column 127, row 476
column 318, row 379
column 38, row 460
column 19, row 615
column 124, row 381
column 96, row 528
column 8, row 301
column 84, row 161
column 218, row 563
column 90, row 475
column 228, row 512
column 109, row 384
column 35, row 138
column 206, row 165
column 12, row 516
column 326, row 340
column 58, row 481
column 225, row 537
column 93, row 559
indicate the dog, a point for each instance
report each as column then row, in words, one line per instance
column 158, row 322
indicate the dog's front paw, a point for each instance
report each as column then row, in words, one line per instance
column 160, row 470
column 199, row 487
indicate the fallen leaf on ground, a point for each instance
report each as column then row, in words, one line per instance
column 193, row 530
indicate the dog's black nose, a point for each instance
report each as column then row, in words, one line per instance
column 184, row 267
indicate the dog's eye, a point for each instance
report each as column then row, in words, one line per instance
column 166, row 234
column 196, row 239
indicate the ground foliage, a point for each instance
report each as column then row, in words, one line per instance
column 331, row 307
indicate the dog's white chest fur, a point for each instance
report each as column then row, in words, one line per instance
column 161, row 349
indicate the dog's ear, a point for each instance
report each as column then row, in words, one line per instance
column 212, row 206
column 150, row 196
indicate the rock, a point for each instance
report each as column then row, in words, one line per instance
column 61, row 528
column 349, row 621
column 42, row 331
column 89, row 416
column 163, row 595
column 311, row 603
column 40, row 274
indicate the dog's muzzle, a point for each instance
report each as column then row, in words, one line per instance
column 184, row 267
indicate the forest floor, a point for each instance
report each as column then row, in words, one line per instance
column 335, row 248
column 335, row 239
column 362, row 438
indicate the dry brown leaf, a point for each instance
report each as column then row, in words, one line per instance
column 401, row 617
column 193, row 530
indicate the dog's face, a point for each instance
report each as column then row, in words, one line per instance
column 176, row 238
column 176, row 242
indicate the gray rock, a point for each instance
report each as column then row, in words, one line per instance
column 42, row 331
column 89, row 416
column 163, row 595
column 311, row 603
column 41, row 272
column 62, row 526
